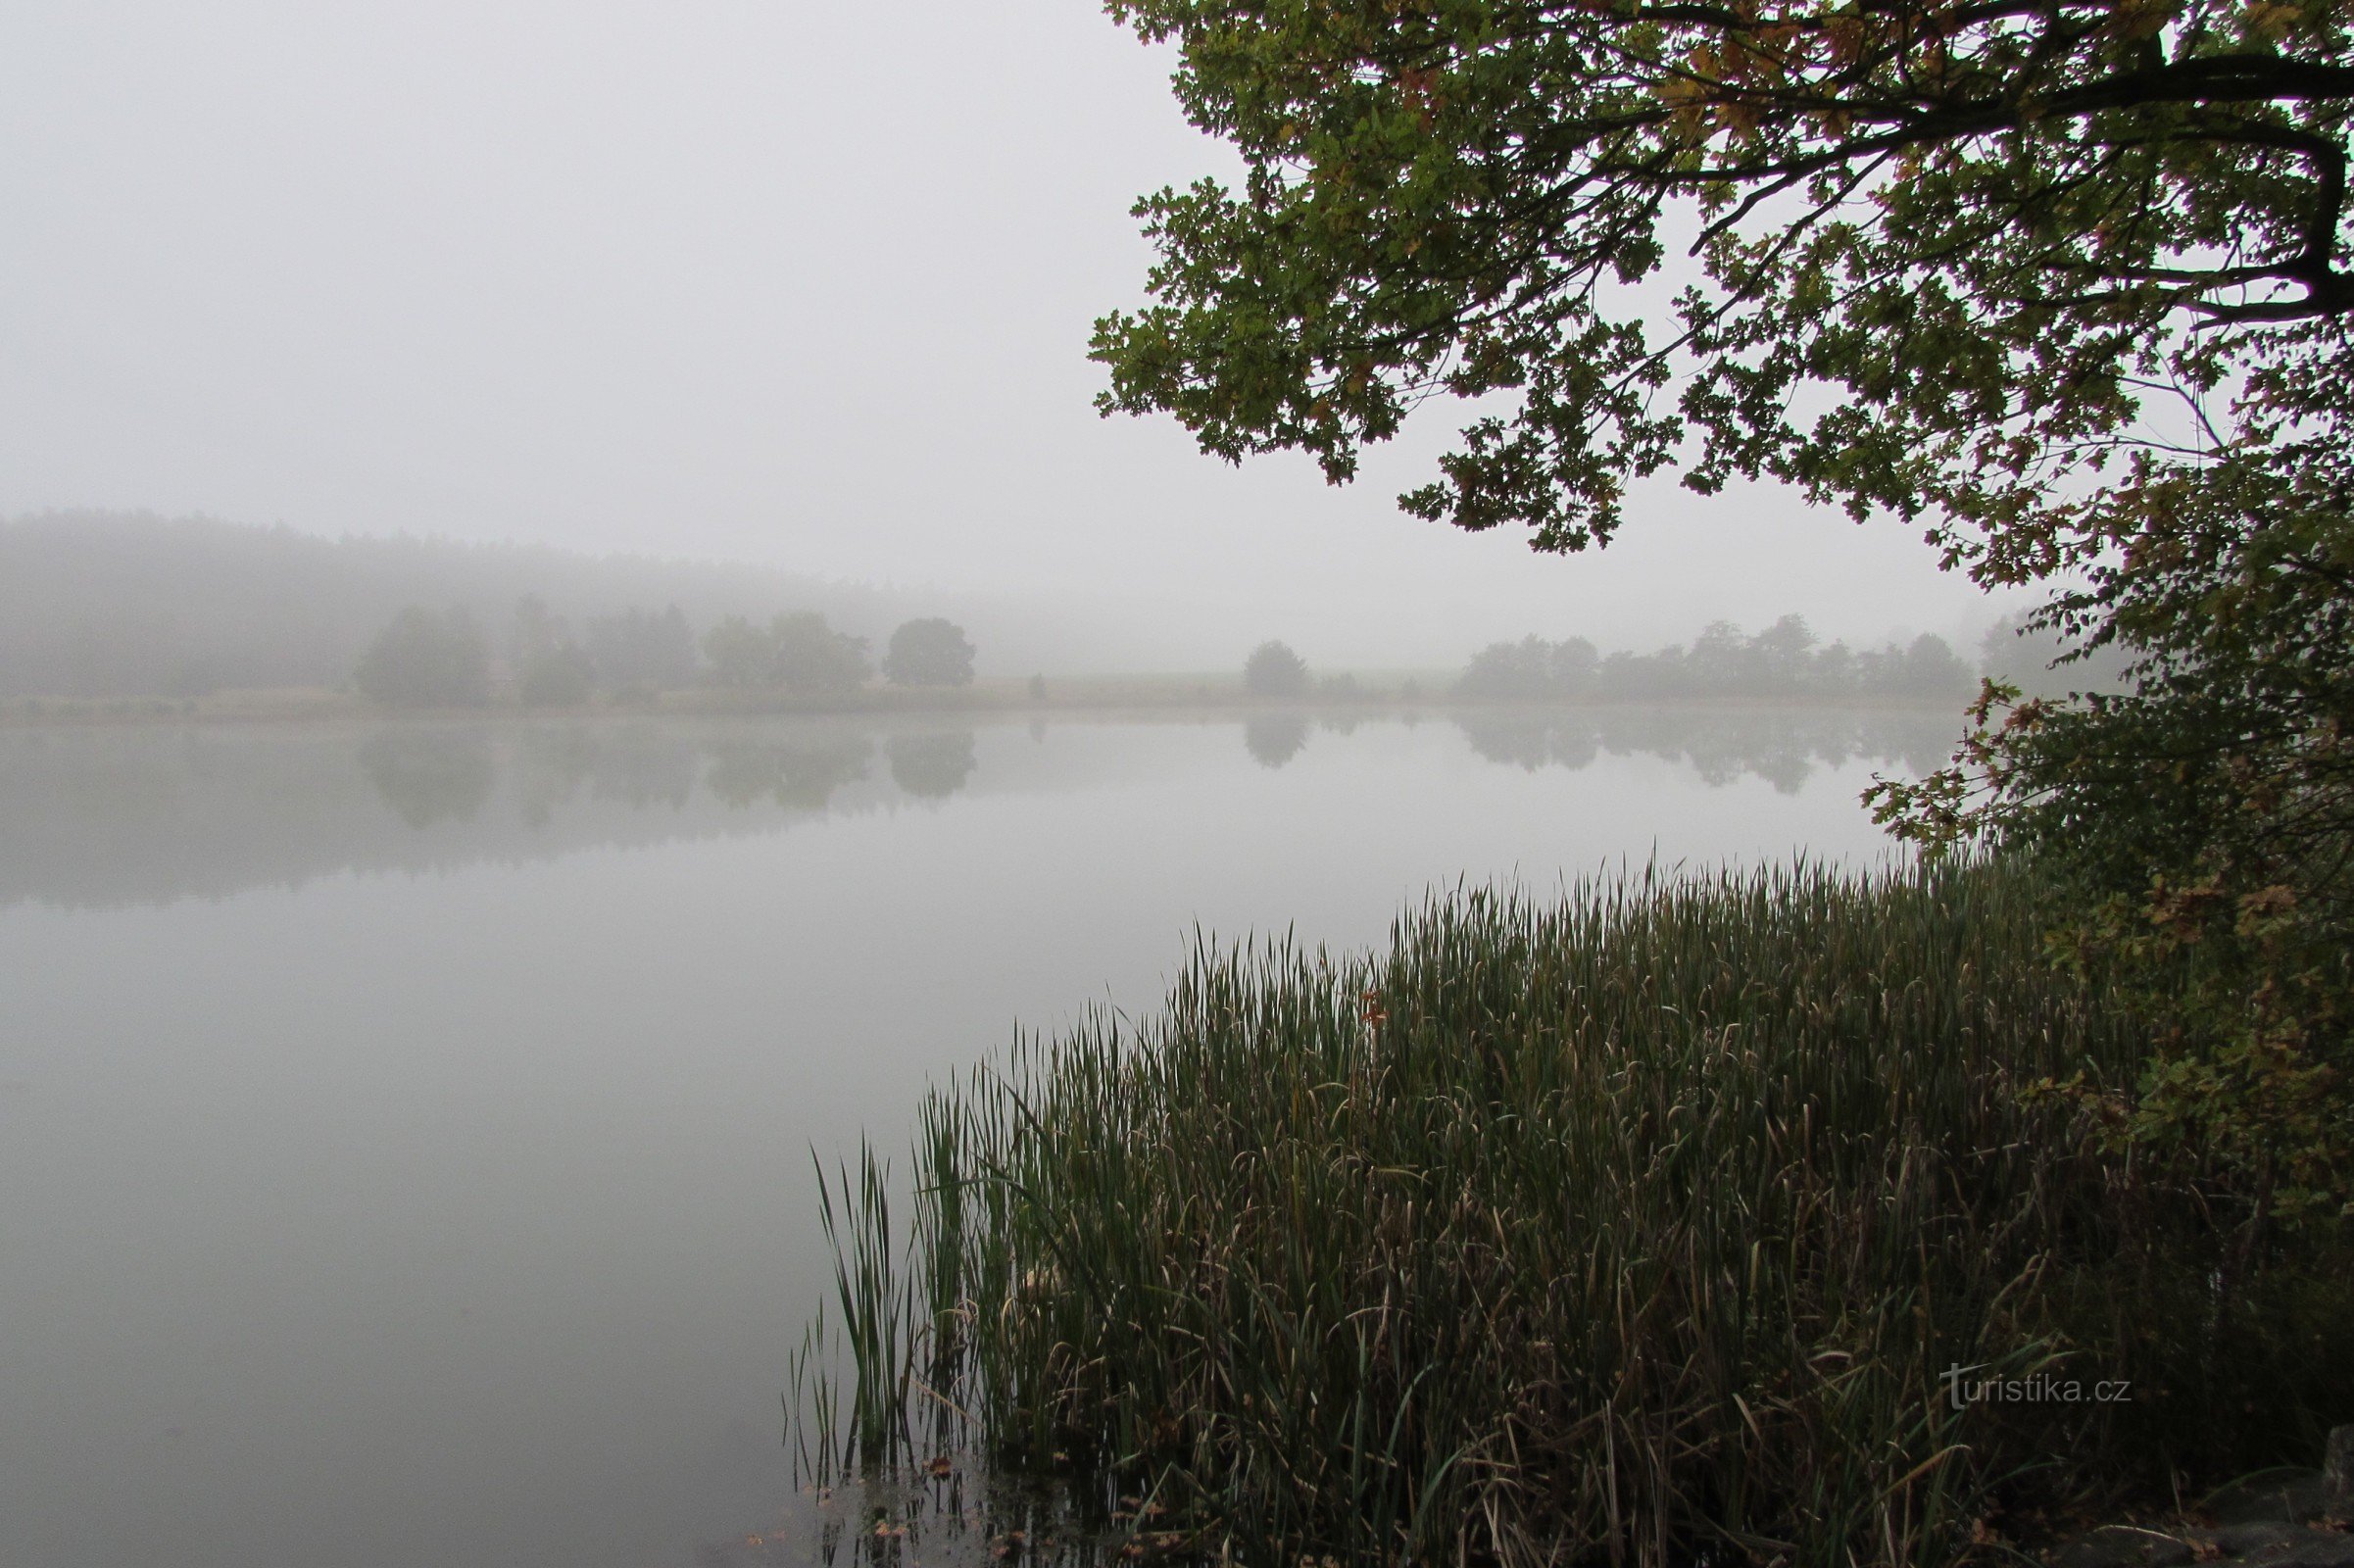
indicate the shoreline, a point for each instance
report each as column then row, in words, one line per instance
column 1094, row 696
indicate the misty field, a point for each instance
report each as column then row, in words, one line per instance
column 1644, row 1226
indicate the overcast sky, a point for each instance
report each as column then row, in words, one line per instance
column 770, row 280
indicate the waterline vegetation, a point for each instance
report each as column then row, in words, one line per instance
column 1640, row 1226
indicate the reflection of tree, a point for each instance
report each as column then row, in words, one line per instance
column 428, row 774
column 1721, row 756
column 642, row 770
column 804, row 774
column 1781, row 747
column 1275, row 738
column 1530, row 741
column 932, row 766
column 639, row 767
column 551, row 765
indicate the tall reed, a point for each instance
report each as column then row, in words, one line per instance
column 1638, row 1227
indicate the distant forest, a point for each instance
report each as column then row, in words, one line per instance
column 1784, row 660
column 108, row 605
column 111, row 603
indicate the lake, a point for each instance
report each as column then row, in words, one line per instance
column 405, row 1131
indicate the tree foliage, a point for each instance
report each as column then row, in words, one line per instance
column 423, row 659
column 2205, row 815
column 812, row 659
column 931, row 652
column 1784, row 660
column 798, row 654
column 740, row 653
column 1274, row 670
column 1531, row 669
column 551, row 669
column 1998, row 232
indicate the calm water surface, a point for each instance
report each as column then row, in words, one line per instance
column 405, row 1131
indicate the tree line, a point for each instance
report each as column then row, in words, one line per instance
column 1784, row 660
column 445, row 658
column 98, row 604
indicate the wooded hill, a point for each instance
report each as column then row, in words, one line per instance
column 113, row 604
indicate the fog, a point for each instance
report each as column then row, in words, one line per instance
column 570, row 639
column 802, row 288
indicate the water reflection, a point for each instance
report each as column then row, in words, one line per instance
column 1274, row 739
column 795, row 773
column 145, row 814
column 1784, row 747
column 932, row 766
column 428, row 776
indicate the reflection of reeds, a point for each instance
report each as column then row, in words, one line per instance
column 1642, row 1224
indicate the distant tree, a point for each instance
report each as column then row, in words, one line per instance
column 104, row 605
column 423, row 659
column 1834, row 669
column 1274, row 671
column 559, row 679
column 928, row 653
column 812, row 659
column 2042, row 661
column 551, row 669
column 537, row 630
column 637, row 648
column 1931, row 668
column 1782, row 658
column 799, row 653
column 740, row 653
column 1038, row 688
column 1718, row 663
column 1531, row 669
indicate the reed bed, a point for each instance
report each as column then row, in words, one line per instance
column 1638, row 1227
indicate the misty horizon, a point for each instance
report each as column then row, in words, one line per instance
column 83, row 591
column 415, row 271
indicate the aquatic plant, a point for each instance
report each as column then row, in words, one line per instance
column 1642, row 1225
